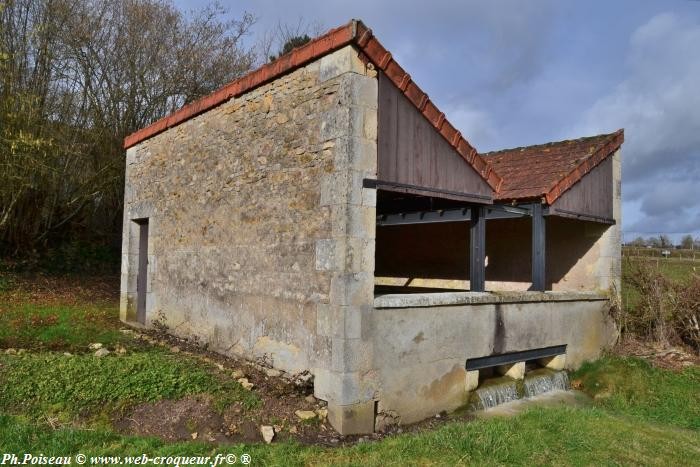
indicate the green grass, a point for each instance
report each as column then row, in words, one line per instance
column 674, row 269
column 59, row 327
column 646, row 416
column 42, row 384
column 632, row 387
column 640, row 415
column 561, row 436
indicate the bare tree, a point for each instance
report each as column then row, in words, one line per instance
column 286, row 36
column 687, row 242
column 76, row 76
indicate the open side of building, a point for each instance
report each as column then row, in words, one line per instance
column 321, row 214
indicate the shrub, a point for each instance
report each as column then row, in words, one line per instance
column 660, row 309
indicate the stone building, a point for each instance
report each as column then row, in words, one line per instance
column 322, row 214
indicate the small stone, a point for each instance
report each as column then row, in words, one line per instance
column 268, row 433
column 335, row 440
column 277, row 428
column 293, row 429
column 245, row 383
column 101, row 352
column 175, row 349
column 126, row 331
column 11, row 351
column 67, row 354
column 271, row 372
column 95, row 346
column 322, row 413
column 120, row 350
column 305, row 414
column 220, row 366
column 194, row 435
column 237, row 374
column 310, row 399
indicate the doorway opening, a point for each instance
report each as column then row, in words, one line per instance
column 142, row 272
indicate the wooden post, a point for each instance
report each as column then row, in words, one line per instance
column 477, row 254
column 538, row 248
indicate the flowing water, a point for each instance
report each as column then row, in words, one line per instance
column 497, row 391
column 496, row 394
column 545, row 381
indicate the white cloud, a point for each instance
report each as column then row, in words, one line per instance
column 658, row 104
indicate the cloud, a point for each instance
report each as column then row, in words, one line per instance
column 657, row 103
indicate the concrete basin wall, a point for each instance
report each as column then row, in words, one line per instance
column 426, row 339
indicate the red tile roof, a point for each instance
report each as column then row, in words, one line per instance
column 548, row 170
column 371, row 51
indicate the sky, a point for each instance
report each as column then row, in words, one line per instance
column 511, row 73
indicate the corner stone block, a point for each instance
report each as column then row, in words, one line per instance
column 354, row 289
column 472, row 380
column 341, row 61
column 514, row 370
column 558, row 362
column 355, row 419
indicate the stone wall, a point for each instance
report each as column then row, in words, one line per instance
column 260, row 231
column 422, row 365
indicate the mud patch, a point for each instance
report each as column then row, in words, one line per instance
column 192, row 417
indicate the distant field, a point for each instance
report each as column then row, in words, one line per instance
column 679, row 267
column 693, row 255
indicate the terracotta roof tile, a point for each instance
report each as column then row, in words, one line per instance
column 371, row 50
column 548, row 170
column 527, row 173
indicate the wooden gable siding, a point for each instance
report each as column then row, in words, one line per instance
column 591, row 196
column 412, row 153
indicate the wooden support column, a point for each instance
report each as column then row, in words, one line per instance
column 538, row 248
column 477, row 254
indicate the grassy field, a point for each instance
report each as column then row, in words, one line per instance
column 58, row 404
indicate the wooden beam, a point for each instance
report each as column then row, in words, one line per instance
column 425, row 191
column 477, row 254
column 538, row 248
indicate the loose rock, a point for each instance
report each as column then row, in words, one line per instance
column 245, row 383
column 95, row 346
column 271, row 372
column 237, row 374
column 102, row 352
column 268, row 433
column 175, row 349
column 11, row 351
column 305, row 414
column 194, row 435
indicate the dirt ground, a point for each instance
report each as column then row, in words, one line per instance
column 666, row 356
column 195, row 417
column 65, row 290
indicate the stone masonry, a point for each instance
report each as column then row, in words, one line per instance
column 261, row 237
